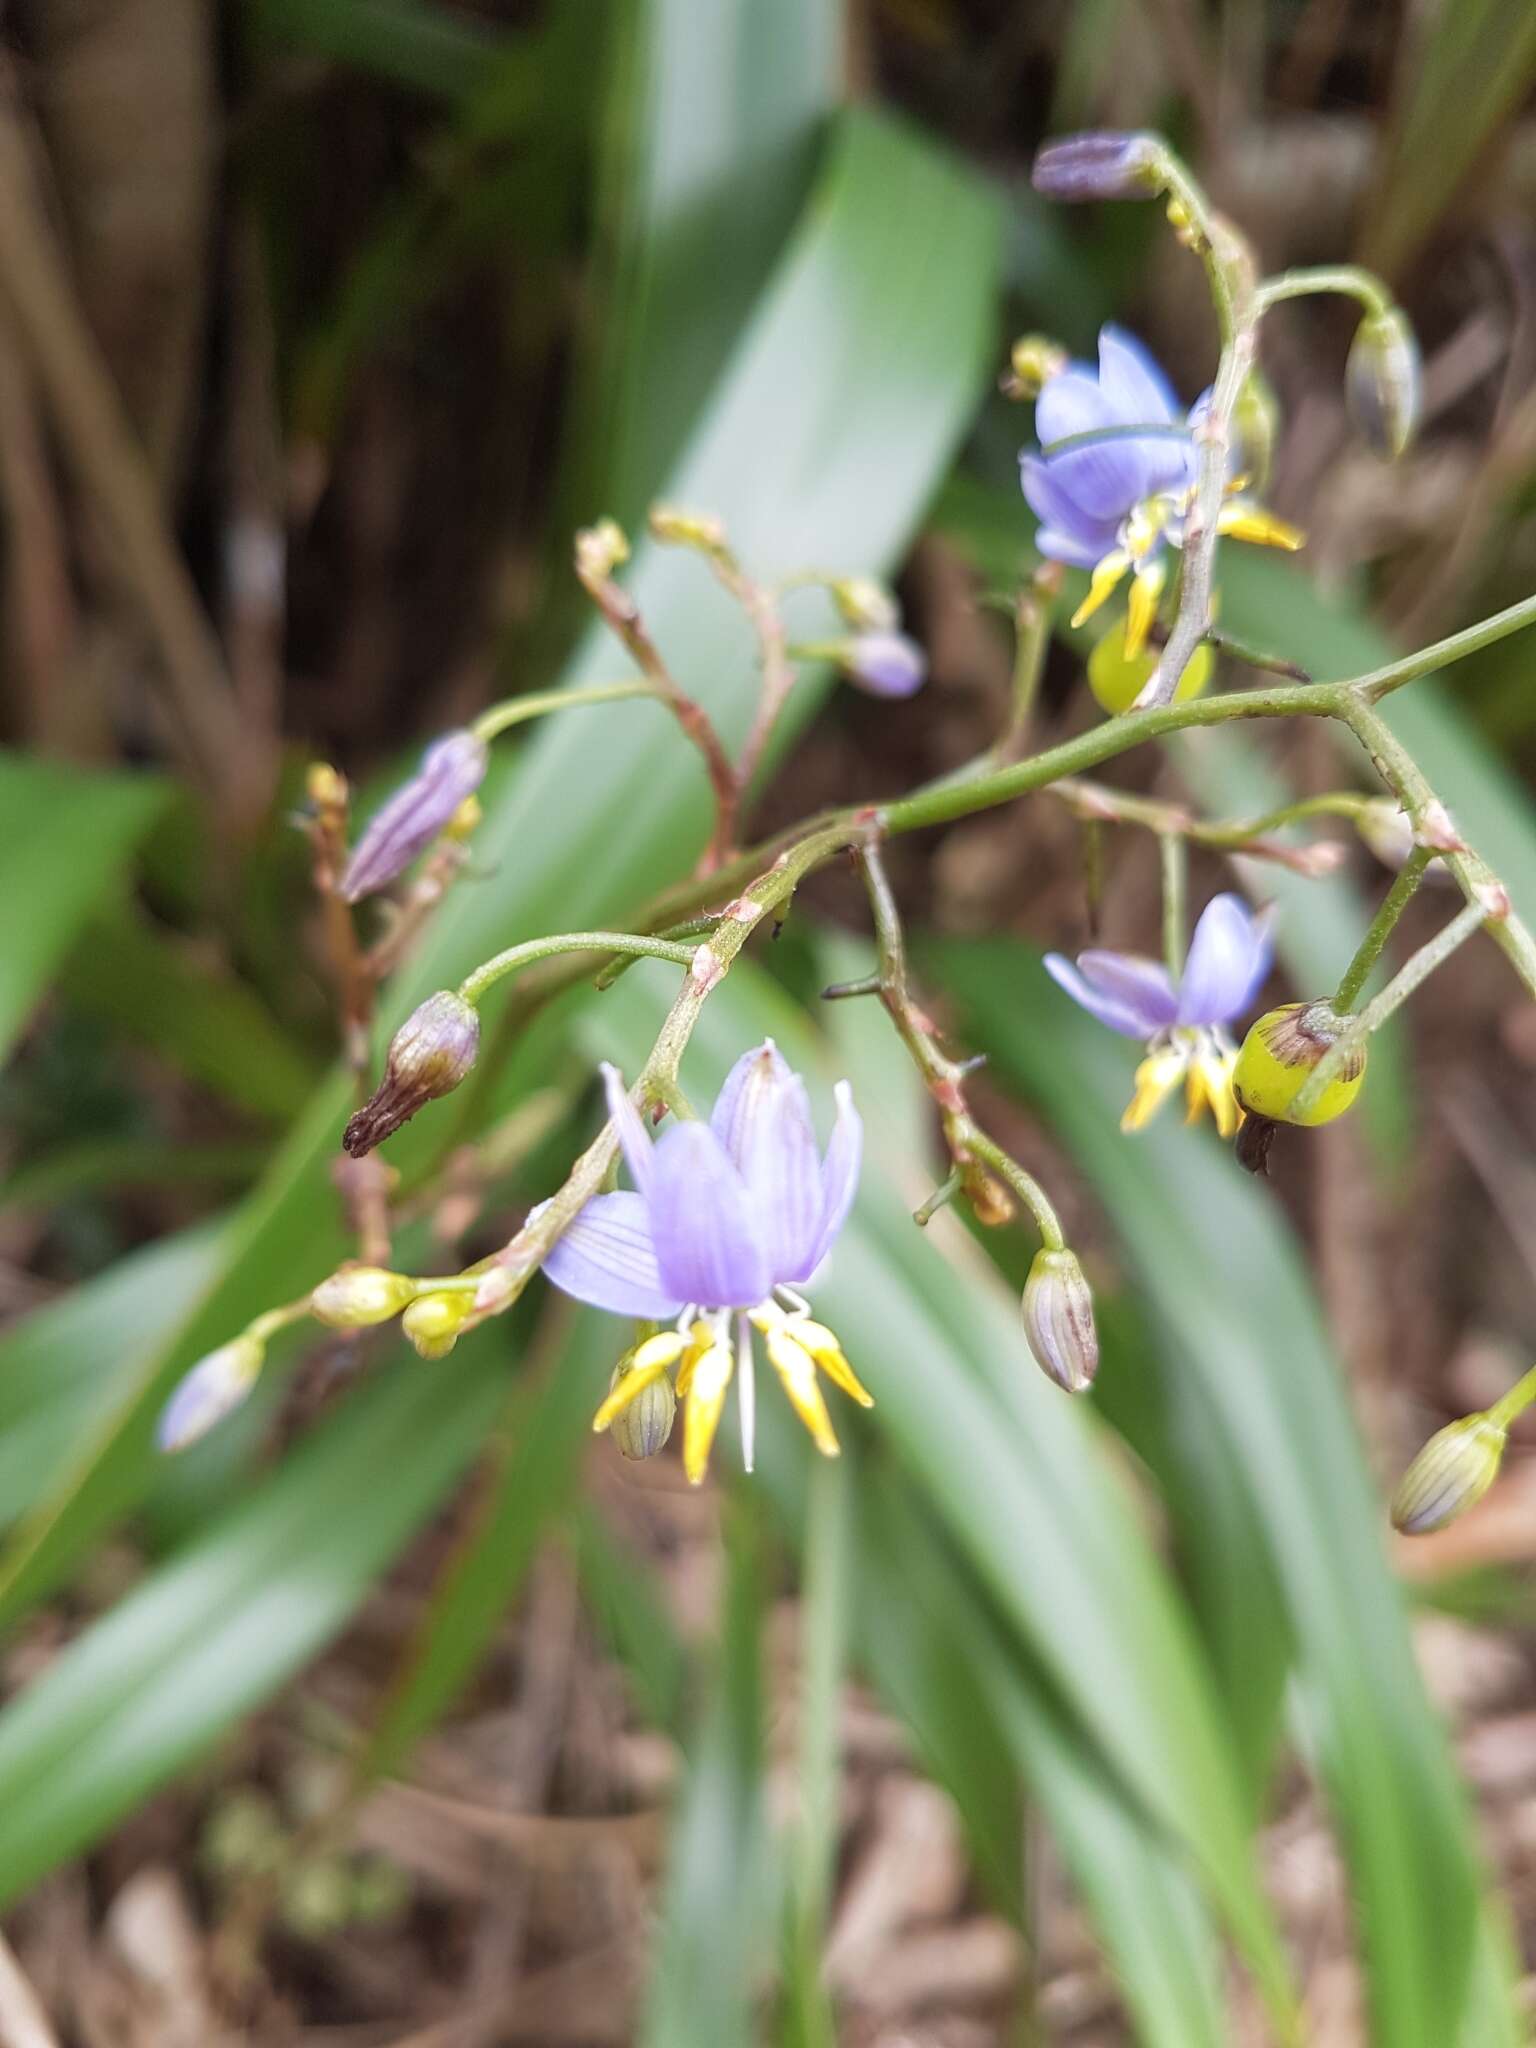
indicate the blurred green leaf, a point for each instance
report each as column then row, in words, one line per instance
column 710, row 1944
column 210, row 1025
column 714, row 114
column 217, row 1630
column 425, row 47
column 622, row 1597
column 1467, row 65
column 934, row 1649
column 1240, row 1334
column 530, row 1468
column 97, row 1165
column 65, row 842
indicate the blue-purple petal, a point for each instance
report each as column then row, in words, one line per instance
column 1228, row 959
column 1142, row 985
column 1062, row 518
column 452, row 769
column 1132, row 382
column 763, row 1119
column 1126, row 1018
column 703, row 1223
column 839, row 1180
column 1072, row 403
column 606, row 1258
column 634, row 1138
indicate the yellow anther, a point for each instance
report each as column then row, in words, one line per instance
column 1146, row 589
column 797, row 1375
column 647, row 1363
column 1105, row 581
column 1156, row 1078
column 707, row 1383
column 1249, row 522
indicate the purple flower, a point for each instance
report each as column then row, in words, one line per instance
column 1111, row 499
column 1100, row 163
column 1183, row 1026
column 451, row 770
column 885, row 664
column 723, row 1217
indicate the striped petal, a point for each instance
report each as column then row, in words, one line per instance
column 703, row 1222
column 1228, row 959
column 839, row 1180
column 1120, row 1012
column 607, row 1259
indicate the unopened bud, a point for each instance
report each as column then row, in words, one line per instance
column 432, row 1322
column 600, row 549
column 1099, row 164
column 325, row 788
column 687, row 529
column 1277, row 1059
column 1386, row 830
column 216, row 1385
column 1058, row 1320
column 1255, row 428
column 1452, row 1472
column 465, row 822
column 866, row 606
column 357, row 1296
column 885, row 664
column 642, row 1428
column 1032, row 362
column 1381, row 382
column 451, row 770
column 428, row 1056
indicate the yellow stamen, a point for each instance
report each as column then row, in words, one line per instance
column 700, row 1337
column 647, row 1362
column 708, row 1381
column 1146, row 589
column 797, row 1374
column 1103, row 584
column 824, row 1347
column 1251, row 522
column 1156, row 1078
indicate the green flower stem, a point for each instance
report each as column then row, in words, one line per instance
column 1515, row 1402
column 969, row 1145
column 275, row 1319
column 1032, row 627
column 1376, row 1012
column 486, row 976
column 1346, row 278
column 825, row 1621
column 1408, row 783
column 509, row 1270
column 1096, row 804
column 1393, row 904
column 1380, row 682
column 517, row 710
column 1173, row 859
column 941, row 1197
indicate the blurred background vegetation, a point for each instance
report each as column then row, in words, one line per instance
column 390, row 1714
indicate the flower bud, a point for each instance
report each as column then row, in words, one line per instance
column 1058, row 1320
column 866, row 606
column 600, row 549
column 432, row 1322
column 1452, row 1472
column 1033, row 361
column 687, row 529
column 885, row 664
column 1278, row 1056
column 451, row 770
column 428, row 1056
column 1118, row 679
column 216, row 1385
column 1099, row 164
column 1256, row 427
column 1381, row 382
column 356, row 1296
column 641, row 1429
